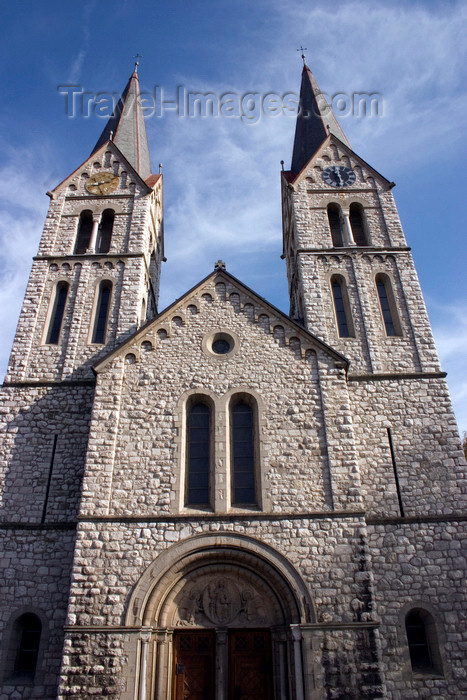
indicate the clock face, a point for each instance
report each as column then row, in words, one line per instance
column 338, row 176
column 102, row 183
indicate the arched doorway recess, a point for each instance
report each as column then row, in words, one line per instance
column 220, row 619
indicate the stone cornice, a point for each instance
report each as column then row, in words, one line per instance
column 395, row 375
column 223, row 517
column 362, row 250
column 89, row 256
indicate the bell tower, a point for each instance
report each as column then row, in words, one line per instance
column 351, row 275
column 352, row 282
column 95, row 278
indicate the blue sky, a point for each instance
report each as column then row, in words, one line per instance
column 221, row 175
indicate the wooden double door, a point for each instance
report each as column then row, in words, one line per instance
column 248, row 672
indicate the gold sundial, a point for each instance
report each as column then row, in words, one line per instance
column 102, row 183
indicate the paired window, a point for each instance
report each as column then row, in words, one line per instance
column 200, row 452
column 388, row 305
column 85, row 229
column 343, row 312
column 342, row 307
column 422, row 641
column 58, row 311
column 102, row 312
column 356, row 220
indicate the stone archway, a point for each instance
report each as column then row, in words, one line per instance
column 229, row 594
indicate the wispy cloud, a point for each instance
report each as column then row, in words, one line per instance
column 75, row 72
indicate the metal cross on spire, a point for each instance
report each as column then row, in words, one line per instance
column 302, row 49
column 138, row 55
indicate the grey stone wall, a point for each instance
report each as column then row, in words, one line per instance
column 35, row 571
column 429, row 460
column 421, row 565
column 330, row 554
column 305, row 430
column 44, row 440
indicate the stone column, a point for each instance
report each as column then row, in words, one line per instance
column 144, row 642
column 347, row 230
column 297, row 656
column 95, row 227
column 163, row 661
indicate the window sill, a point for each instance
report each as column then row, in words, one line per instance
column 429, row 674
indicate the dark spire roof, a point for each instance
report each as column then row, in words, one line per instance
column 127, row 130
column 315, row 121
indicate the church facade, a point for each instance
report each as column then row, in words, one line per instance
column 220, row 501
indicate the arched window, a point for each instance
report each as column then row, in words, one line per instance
column 102, row 312
column 422, row 642
column 28, row 634
column 388, row 305
column 104, row 235
column 83, row 237
column 199, row 452
column 342, row 307
column 56, row 318
column 357, row 223
column 243, row 458
column 335, row 225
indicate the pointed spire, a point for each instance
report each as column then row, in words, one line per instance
column 127, row 130
column 315, row 121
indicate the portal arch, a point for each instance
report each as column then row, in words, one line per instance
column 183, row 562
column 220, row 592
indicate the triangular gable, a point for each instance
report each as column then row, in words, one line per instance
column 217, row 276
column 294, row 180
column 106, row 146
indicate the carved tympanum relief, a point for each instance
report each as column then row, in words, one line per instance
column 222, row 601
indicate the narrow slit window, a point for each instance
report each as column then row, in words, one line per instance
column 102, row 313
column 199, row 455
column 29, row 629
column 243, row 455
column 56, row 319
column 357, row 224
column 387, row 304
column 419, row 649
column 344, row 326
column 105, row 231
column 422, row 640
column 335, row 225
column 83, row 236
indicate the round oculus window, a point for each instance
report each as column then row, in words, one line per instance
column 221, row 346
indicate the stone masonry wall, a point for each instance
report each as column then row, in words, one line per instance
column 137, row 443
column 35, row 568
column 31, row 418
column 429, row 460
column 421, row 565
column 330, row 554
